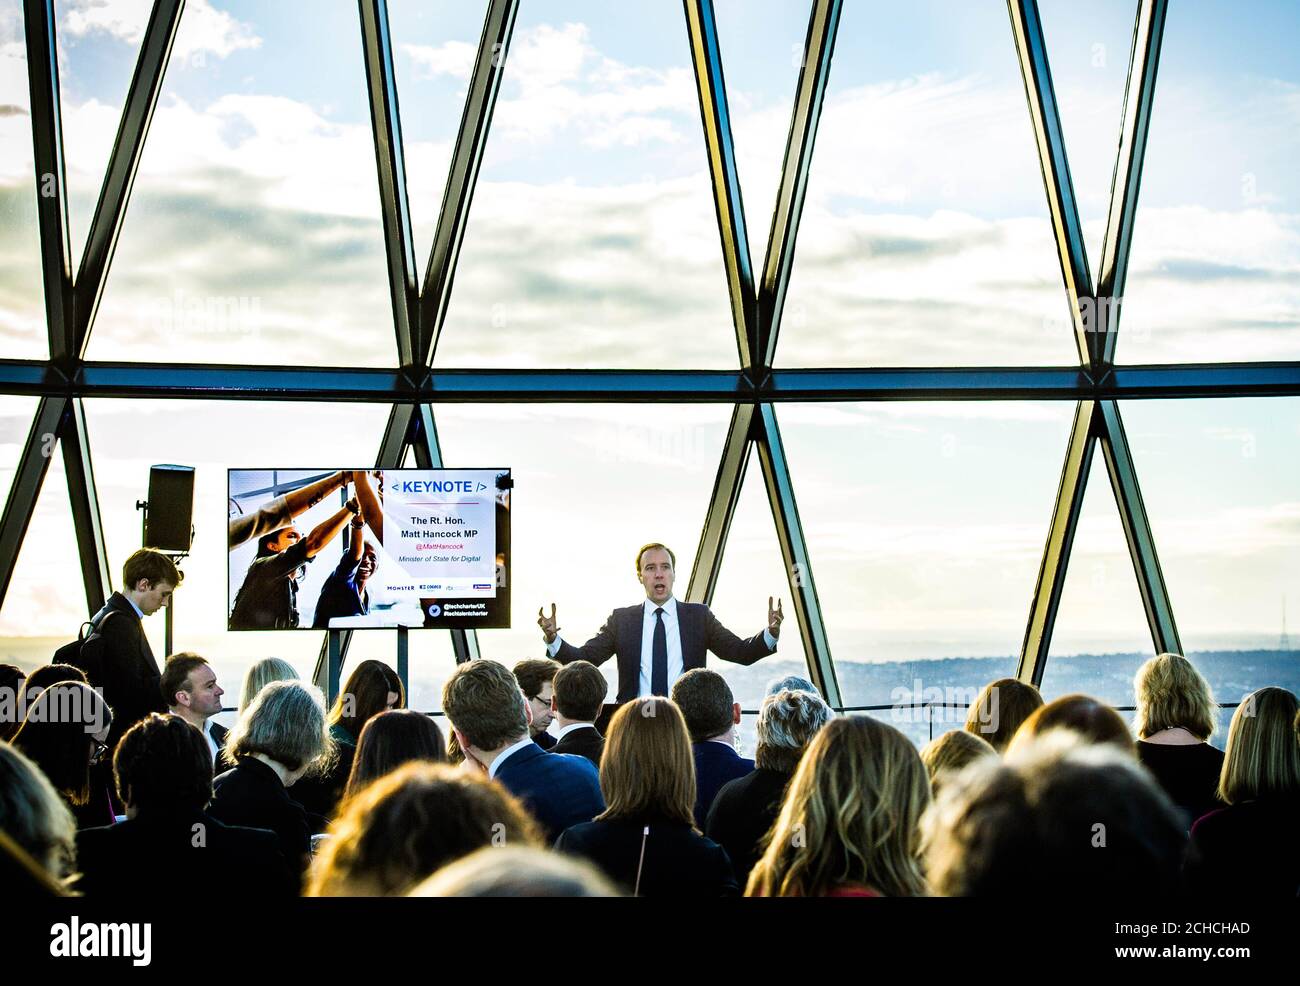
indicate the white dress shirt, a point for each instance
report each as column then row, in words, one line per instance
column 673, row 631
column 572, row 727
column 507, row 752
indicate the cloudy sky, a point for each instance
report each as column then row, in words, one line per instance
column 253, row 235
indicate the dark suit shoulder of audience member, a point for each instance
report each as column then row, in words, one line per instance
column 745, row 808
column 559, row 789
column 273, row 744
column 1250, row 849
column 582, row 741
column 711, row 715
column 578, row 699
column 646, row 840
column 716, row 764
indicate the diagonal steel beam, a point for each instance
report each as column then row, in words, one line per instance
column 728, row 205
column 29, row 475
column 386, row 124
column 794, row 551
column 128, row 147
column 1139, row 95
column 823, row 22
column 722, row 505
column 1137, row 530
column 1031, row 49
column 84, row 500
column 466, row 159
column 1060, row 538
column 51, row 179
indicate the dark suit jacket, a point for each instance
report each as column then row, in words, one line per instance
column 320, row 794
column 545, row 740
column 559, row 790
column 129, row 674
column 1247, row 851
column 219, row 736
column 715, row 765
column 252, row 795
column 700, row 632
column 679, row 862
column 145, row 856
column 583, row 743
column 742, row 812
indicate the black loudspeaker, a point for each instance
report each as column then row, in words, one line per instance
column 168, row 523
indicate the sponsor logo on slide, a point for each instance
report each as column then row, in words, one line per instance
column 481, row 586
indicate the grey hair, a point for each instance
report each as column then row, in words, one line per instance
column 286, row 722
column 516, row 871
column 34, row 815
column 260, row 675
column 791, row 682
column 787, row 722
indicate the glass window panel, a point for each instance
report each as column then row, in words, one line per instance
column 434, row 47
column 254, row 232
column 593, row 238
column 762, row 43
column 925, row 236
column 22, row 303
column 1101, row 635
column 1219, row 481
column 592, row 484
column 925, row 526
column 753, row 569
column 1216, row 244
column 1089, row 46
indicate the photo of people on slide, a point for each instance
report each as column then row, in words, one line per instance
column 368, row 548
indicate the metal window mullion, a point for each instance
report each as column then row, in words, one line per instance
column 729, row 207
column 794, row 553
column 467, row 158
column 1049, row 137
column 1139, row 95
column 722, row 506
column 25, row 490
column 1060, row 539
column 123, row 163
column 810, row 93
column 1137, row 531
column 386, row 126
column 83, row 497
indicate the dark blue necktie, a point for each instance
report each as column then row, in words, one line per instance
column 659, row 657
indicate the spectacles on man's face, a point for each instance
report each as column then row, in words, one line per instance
column 97, row 754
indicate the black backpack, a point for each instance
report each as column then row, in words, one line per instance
column 86, row 653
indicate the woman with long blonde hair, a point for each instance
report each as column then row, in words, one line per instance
column 850, row 824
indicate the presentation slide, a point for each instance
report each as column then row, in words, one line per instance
column 354, row 549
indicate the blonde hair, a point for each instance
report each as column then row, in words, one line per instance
column 260, row 675
column 648, row 766
column 515, row 871
column 1000, row 708
column 286, row 722
column 34, row 816
column 951, row 752
column 851, row 816
column 1262, row 759
column 1170, row 692
column 404, row 826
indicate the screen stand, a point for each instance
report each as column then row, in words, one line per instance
column 403, row 663
column 334, row 669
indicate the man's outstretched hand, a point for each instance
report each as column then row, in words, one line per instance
column 774, row 618
column 547, row 623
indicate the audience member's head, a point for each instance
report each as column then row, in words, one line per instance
column 11, row 686
column 792, row 683
column 34, row 816
column 707, row 704
column 517, row 871
column 1172, row 694
column 189, row 687
column 949, row 753
column 407, row 825
column 851, row 817
column 1262, row 759
column 485, row 707
column 1060, row 815
column 648, row 769
column 64, row 732
column 536, row 677
column 580, row 691
column 1095, row 721
column 51, row 674
column 373, row 687
column 286, row 725
column 392, row 739
column 1000, row 708
column 261, row 674
column 787, row 722
column 163, row 767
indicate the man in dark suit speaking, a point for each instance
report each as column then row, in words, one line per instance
column 660, row 639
